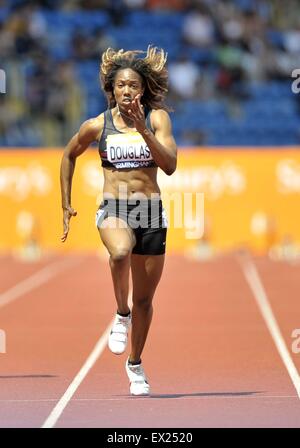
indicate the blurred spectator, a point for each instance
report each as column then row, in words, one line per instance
column 174, row 5
column 64, row 101
column 101, row 41
column 135, row 4
column 227, row 51
column 184, row 77
column 192, row 137
column 291, row 40
column 7, row 115
column 38, row 85
column 82, row 45
column 118, row 11
column 91, row 46
column 93, row 4
column 198, row 27
column 7, row 44
column 231, row 71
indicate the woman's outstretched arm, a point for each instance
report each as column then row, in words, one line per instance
column 89, row 132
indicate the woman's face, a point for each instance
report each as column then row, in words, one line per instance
column 128, row 84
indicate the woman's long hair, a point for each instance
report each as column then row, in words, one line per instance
column 151, row 68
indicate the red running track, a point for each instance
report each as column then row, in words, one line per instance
column 210, row 357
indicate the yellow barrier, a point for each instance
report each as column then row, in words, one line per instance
column 251, row 198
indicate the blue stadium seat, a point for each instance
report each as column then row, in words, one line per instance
column 4, row 12
column 200, row 55
column 131, row 39
column 270, row 89
column 275, row 37
column 74, row 20
column 156, row 20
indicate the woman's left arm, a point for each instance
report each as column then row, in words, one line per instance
column 161, row 143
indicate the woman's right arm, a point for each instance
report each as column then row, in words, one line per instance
column 89, row 132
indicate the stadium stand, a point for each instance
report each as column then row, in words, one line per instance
column 241, row 58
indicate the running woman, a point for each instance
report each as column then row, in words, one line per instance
column 135, row 138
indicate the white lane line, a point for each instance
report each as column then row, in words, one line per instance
column 36, row 280
column 64, row 400
column 262, row 301
column 89, row 363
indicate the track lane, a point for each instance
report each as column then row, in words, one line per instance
column 264, row 305
column 210, row 360
column 50, row 332
column 14, row 270
column 282, row 283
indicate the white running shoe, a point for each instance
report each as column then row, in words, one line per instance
column 117, row 340
column 138, row 381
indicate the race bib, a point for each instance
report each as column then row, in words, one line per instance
column 129, row 147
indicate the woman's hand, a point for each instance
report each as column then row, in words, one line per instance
column 136, row 113
column 68, row 213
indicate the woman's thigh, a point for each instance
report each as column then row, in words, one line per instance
column 116, row 235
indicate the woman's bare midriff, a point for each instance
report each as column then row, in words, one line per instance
column 128, row 184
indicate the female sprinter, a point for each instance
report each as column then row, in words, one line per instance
column 135, row 138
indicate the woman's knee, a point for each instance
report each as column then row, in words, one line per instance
column 119, row 253
column 144, row 302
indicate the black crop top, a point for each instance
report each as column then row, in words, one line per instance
column 123, row 150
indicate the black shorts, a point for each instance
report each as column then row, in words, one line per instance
column 146, row 217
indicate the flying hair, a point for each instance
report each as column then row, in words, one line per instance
column 151, row 68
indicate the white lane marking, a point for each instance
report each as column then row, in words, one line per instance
column 2, row 341
column 262, row 301
column 64, row 400
column 36, row 280
column 89, row 363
